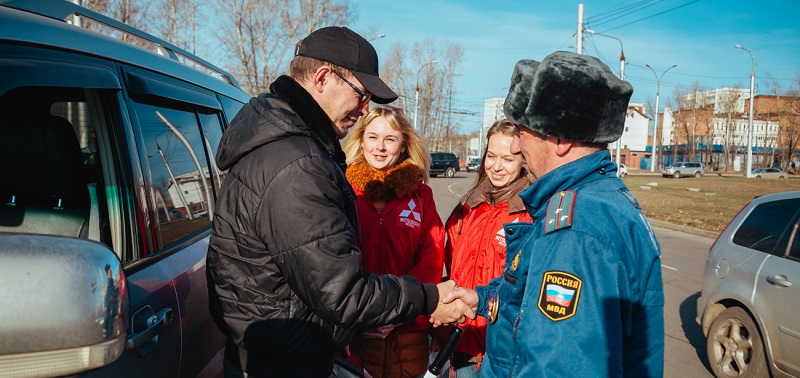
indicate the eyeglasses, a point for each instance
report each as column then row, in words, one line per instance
column 364, row 95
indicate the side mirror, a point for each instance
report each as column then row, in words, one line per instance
column 63, row 305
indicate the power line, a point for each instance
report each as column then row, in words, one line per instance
column 649, row 17
column 642, row 5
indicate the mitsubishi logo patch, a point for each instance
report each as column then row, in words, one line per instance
column 409, row 216
column 558, row 298
column 500, row 236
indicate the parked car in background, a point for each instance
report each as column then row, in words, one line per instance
column 623, row 170
column 769, row 173
column 473, row 164
column 749, row 304
column 107, row 197
column 444, row 162
column 683, row 169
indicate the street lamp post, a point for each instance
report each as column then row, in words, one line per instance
column 750, row 122
column 658, row 93
column 416, row 94
column 621, row 76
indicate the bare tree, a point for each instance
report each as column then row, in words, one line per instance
column 728, row 108
column 771, row 110
column 130, row 12
column 176, row 22
column 396, row 75
column 697, row 119
column 791, row 119
column 260, row 35
column 436, row 89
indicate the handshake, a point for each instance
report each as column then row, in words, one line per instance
column 456, row 304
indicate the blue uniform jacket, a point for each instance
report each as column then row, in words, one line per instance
column 581, row 293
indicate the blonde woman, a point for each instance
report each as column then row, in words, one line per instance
column 401, row 232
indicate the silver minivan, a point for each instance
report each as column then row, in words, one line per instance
column 106, row 197
column 749, row 304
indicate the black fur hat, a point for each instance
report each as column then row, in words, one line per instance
column 569, row 96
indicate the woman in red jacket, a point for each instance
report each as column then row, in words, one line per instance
column 475, row 251
column 401, row 232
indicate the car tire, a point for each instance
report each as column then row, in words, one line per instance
column 781, row 177
column 676, row 175
column 450, row 172
column 697, row 175
column 758, row 176
column 734, row 346
column 433, row 175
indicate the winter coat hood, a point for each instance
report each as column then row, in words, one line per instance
column 275, row 119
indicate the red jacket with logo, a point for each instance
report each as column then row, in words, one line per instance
column 475, row 253
column 406, row 238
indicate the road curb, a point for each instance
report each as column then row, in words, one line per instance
column 686, row 229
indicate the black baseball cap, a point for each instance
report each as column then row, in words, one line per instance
column 345, row 48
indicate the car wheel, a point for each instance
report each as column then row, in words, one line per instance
column 676, row 175
column 697, row 175
column 781, row 177
column 450, row 172
column 433, row 175
column 758, row 176
column 734, row 346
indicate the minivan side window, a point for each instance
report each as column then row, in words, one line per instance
column 58, row 177
column 212, row 133
column 794, row 251
column 231, row 107
column 766, row 223
column 180, row 179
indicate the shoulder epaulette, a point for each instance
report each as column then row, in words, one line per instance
column 559, row 211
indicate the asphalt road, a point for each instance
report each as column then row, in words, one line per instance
column 683, row 259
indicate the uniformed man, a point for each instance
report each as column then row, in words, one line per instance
column 581, row 293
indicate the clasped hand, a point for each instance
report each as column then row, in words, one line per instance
column 456, row 304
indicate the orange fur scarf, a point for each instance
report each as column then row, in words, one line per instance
column 379, row 185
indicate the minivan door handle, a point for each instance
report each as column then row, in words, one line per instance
column 779, row 280
column 152, row 323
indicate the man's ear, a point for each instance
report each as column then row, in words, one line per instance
column 320, row 77
column 563, row 146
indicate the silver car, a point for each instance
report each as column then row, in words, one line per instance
column 749, row 306
column 683, row 169
column 769, row 173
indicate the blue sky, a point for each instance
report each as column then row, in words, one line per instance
column 697, row 35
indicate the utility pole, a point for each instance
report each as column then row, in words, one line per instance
column 416, row 91
column 579, row 33
column 655, row 129
column 621, row 77
column 750, row 121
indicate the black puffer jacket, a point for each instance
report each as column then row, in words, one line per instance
column 284, row 274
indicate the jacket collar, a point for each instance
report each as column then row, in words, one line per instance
column 485, row 192
column 589, row 168
column 383, row 185
column 286, row 111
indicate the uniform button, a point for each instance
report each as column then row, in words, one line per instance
column 511, row 231
column 602, row 171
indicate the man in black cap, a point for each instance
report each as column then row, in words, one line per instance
column 581, row 293
column 284, row 276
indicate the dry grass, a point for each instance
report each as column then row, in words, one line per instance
column 711, row 208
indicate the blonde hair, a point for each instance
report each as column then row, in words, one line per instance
column 416, row 151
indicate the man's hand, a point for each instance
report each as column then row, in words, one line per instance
column 452, row 307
